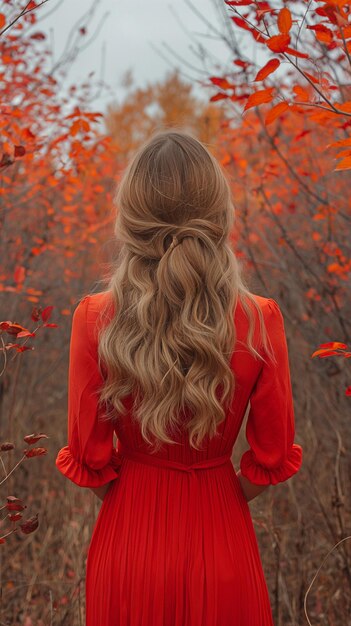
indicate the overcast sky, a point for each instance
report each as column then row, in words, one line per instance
column 134, row 36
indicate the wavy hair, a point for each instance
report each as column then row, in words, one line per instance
column 175, row 284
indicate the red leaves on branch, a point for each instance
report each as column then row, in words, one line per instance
column 267, row 69
column 258, row 97
column 30, row 525
column 275, row 112
column 34, row 437
column 333, row 348
column 223, row 83
column 284, row 21
column 7, row 445
column 31, row 452
column 15, row 504
column 278, row 43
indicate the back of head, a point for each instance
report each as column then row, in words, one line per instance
column 175, row 286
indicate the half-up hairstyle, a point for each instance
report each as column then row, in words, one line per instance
column 175, row 285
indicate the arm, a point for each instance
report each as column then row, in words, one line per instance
column 89, row 459
column 273, row 456
column 250, row 489
column 100, row 492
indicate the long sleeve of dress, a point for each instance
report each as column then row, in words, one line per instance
column 273, row 456
column 89, row 459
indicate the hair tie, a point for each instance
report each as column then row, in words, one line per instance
column 175, row 242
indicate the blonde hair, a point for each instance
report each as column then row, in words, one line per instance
column 172, row 335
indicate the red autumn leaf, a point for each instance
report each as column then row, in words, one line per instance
column 312, row 78
column 5, row 160
column 11, row 328
column 46, row 313
column 348, row 391
column 19, row 274
column 2, row 20
column 275, row 111
column 50, row 325
column 7, row 445
column 267, row 69
column 75, row 127
column 30, row 525
column 324, row 353
column 18, row 347
column 296, row 53
column 241, row 23
column 258, row 97
column 241, row 63
column 34, row 437
column 19, row 151
column 31, row 452
column 278, row 43
column 334, row 345
column 35, row 315
column 15, row 504
column 284, row 21
column 323, row 33
column 301, row 93
column 38, row 36
column 218, row 96
column 25, row 333
column 223, row 83
column 344, row 164
column 14, row 517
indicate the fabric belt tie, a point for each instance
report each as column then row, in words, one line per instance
column 149, row 459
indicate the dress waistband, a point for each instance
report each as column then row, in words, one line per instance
column 150, row 459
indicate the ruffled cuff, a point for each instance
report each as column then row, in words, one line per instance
column 83, row 475
column 260, row 475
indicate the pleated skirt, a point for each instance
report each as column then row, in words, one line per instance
column 175, row 549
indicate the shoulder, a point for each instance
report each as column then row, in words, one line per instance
column 91, row 310
column 269, row 307
column 267, row 304
column 90, row 305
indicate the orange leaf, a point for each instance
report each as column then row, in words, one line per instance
column 241, row 23
column 322, row 33
column 223, row 83
column 2, row 20
column 278, row 43
column 267, row 69
column 75, row 127
column 344, row 106
column 275, row 111
column 324, row 353
column 218, row 96
column 258, row 97
column 345, row 164
column 296, row 53
column 312, row 78
column 301, row 93
column 284, row 21
column 334, row 345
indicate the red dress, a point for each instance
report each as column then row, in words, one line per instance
column 174, row 543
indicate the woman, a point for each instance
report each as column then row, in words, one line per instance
column 168, row 357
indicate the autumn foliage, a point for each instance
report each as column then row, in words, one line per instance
column 280, row 125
